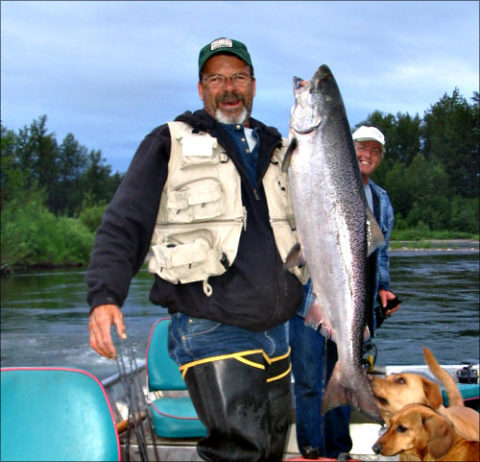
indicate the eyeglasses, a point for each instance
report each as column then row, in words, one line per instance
column 376, row 151
column 219, row 80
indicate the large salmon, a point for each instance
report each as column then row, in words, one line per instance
column 336, row 230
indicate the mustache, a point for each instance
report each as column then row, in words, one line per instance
column 230, row 97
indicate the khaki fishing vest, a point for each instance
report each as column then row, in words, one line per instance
column 201, row 215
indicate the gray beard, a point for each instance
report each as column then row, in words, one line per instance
column 230, row 119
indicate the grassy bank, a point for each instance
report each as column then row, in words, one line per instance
column 33, row 237
column 426, row 239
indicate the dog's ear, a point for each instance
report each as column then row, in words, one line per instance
column 440, row 435
column 433, row 393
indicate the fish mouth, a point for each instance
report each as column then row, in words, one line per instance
column 299, row 83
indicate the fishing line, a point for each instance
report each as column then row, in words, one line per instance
column 138, row 408
column 132, row 403
column 140, row 395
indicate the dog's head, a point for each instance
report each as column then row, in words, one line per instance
column 397, row 390
column 416, row 430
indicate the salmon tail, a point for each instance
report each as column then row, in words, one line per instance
column 355, row 391
column 454, row 395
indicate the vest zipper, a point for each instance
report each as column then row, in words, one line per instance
column 242, row 219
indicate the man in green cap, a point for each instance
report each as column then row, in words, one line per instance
column 206, row 198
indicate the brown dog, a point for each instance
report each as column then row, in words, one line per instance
column 417, row 430
column 397, row 390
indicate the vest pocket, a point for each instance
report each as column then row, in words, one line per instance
column 196, row 201
column 198, row 150
column 187, row 257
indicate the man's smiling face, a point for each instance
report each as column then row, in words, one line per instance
column 231, row 101
column 369, row 155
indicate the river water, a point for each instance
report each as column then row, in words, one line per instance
column 44, row 314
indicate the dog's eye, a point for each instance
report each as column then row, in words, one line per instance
column 382, row 400
column 401, row 429
column 400, row 380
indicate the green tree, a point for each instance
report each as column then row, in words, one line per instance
column 71, row 164
column 12, row 178
column 43, row 153
column 451, row 135
column 96, row 178
column 428, row 185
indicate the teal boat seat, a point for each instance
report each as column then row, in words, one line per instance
column 172, row 416
column 55, row 414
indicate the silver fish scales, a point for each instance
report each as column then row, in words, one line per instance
column 336, row 230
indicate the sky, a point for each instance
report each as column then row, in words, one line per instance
column 111, row 71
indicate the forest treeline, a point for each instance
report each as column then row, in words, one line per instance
column 53, row 194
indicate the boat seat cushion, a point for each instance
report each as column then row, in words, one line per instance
column 176, row 418
column 56, row 414
column 173, row 417
column 162, row 371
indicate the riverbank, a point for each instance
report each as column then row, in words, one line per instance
column 446, row 245
column 424, row 245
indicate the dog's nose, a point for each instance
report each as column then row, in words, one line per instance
column 376, row 448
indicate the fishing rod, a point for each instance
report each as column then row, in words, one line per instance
column 138, row 409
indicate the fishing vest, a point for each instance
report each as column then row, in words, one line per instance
column 201, row 215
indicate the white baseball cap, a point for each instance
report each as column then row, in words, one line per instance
column 369, row 134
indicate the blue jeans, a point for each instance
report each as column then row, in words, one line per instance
column 313, row 358
column 191, row 339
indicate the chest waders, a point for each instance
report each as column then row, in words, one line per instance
column 244, row 400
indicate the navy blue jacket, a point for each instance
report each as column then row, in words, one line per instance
column 256, row 292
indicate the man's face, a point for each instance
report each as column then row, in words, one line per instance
column 227, row 101
column 369, row 155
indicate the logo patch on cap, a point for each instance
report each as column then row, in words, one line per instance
column 221, row 43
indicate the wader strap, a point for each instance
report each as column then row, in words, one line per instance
column 279, row 366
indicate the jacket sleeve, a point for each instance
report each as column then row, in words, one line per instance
column 123, row 239
column 383, row 263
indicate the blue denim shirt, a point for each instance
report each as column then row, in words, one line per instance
column 384, row 218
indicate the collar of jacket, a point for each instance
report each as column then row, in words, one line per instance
column 202, row 121
column 270, row 138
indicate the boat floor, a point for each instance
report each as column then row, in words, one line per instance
column 363, row 434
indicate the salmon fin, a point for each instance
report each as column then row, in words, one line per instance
column 288, row 155
column 454, row 395
column 295, row 257
column 366, row 334
column 315, row 316
column 375, row 237
column 358, row 394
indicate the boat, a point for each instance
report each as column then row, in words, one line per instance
column 149, row 410
column 364, row 432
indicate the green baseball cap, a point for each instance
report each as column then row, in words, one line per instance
column 223, row 45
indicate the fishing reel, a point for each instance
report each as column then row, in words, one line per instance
column 467, row 374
